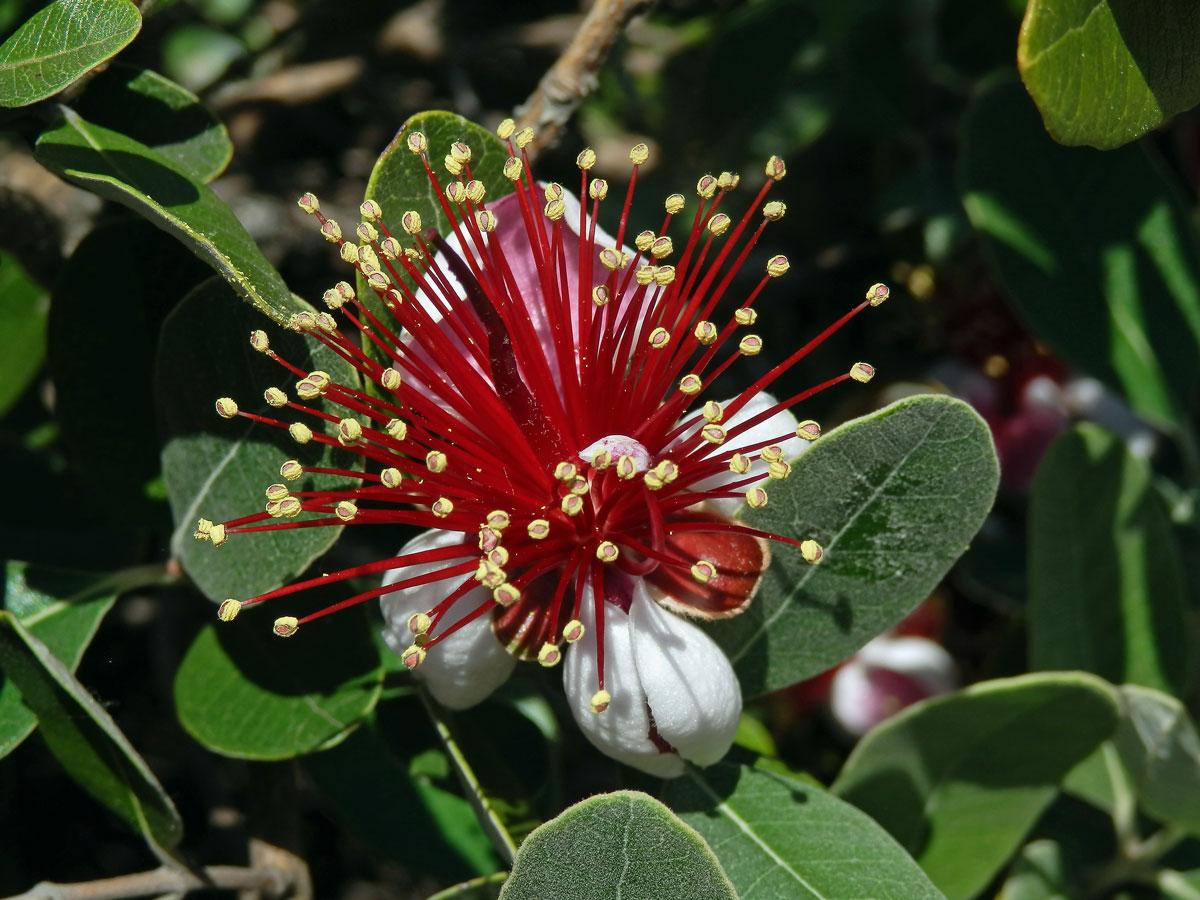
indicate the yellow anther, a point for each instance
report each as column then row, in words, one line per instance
column 538, row 529
column 460, row 151
column 286, row 626
column 452, row 165
column 333, row 298
column 396, row 429
column 674, row 204
column 417, row 143
column 413, row 657
column 229, row 609
column 586, row 159
column 349, row 253
column 756, row 498
column 705, row 332
column 226, row 408
column 277, row 491
column 706, row 187
column 377, row 281
column 719, row 224
column 779, row 470
column 598, row 189
column 368, row 260
column 326, row 323
column 260, row 342
column 549, row 655
column 774, row 211
column 490, row 574
column 302, row 322
column 573, row 631
column 653, row 481
column 489, row 539
column 704, row 571
column 600, row 295
column 777, row 265
column 572, row 504
column 638, row 154
column 713, row 411
column 393, row 298
column 811, row 551
column 600, row 701
column 346, row 510
column 306, row 389
column 291, row 470
column 390, row 248
column 435, row 461
column 390, row 379
column 750, row 345
column 476, row 190
column 419, row 623
column 553, row 191
column 513, row 169
column 714, row 434
column 300, row 432
column 862, row 372
column 390, row 477
column 498, row 519
column 664, row 275
column 727, row 181
column 442, row 507
column 366, row 233
column 644, row 240
column 217, row 535
column 370, row 211
column 331, row 231
column 808, row 430
column 607, row 552
column 745, row 316
column 661, row 247
column 690, row 384
column 505, row 129
column 309, row 203
column 275, row 397
column 290, row 507
column 523, row 137
column 486, row 220
column 555, row 210
column 776, row 168
column 498, row 556
column 667, row 470
column 612, row 259
column 456, row 192
column 659, row 338
column 272, row 509
column 349, row 431
column 506, row 594
column 772, row 453
column 626, row 467
column 579, row 485
column 411, row 222
column 565, row 471
column 645, row 274
column 877, row 293
column 203, row 530
column 739, row 464
column 602, row 459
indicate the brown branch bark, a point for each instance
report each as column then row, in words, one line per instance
column 272, row 882
column 573, row 75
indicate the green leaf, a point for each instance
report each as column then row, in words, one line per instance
column 623, row 844
column 110, row 300
column 166, row 117
column 1038, row 874
column 1107, row 587
column 1161, row 749
column 960, row 780
column 85, row 740
column 218, row 469
column 1103, row 781
column 119, row 168
column 1104, row 72
column 65, row 621
column 893, row 498
column 779, row 837
column 485, row 888
column 1094, row 249
column 243, row 692
column 406, row 815
column 61, row 43
column 22, row 330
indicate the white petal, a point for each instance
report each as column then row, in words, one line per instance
column 690, row 685
column 466, row 667
column 623, row 730
column 782, row 423
column 920, row 658
column 885, row 675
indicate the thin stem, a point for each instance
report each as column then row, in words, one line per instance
column 164, row 881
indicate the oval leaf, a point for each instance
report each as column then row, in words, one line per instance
column 961, row 779
column 165, row 116
column 1110, row 277
column 119, row 168
column 243, row 692
column 894, row 498
column 780, row 837
column 1107, row 591
column 60, row 43
column 65, row 621
column 22, row 330
column 1104, row 72
column 85, row 740
column 625, row 844
column 1159, row 745
column 218, row 469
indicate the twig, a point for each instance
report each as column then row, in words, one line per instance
column 573, row 75
column 162, row 881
